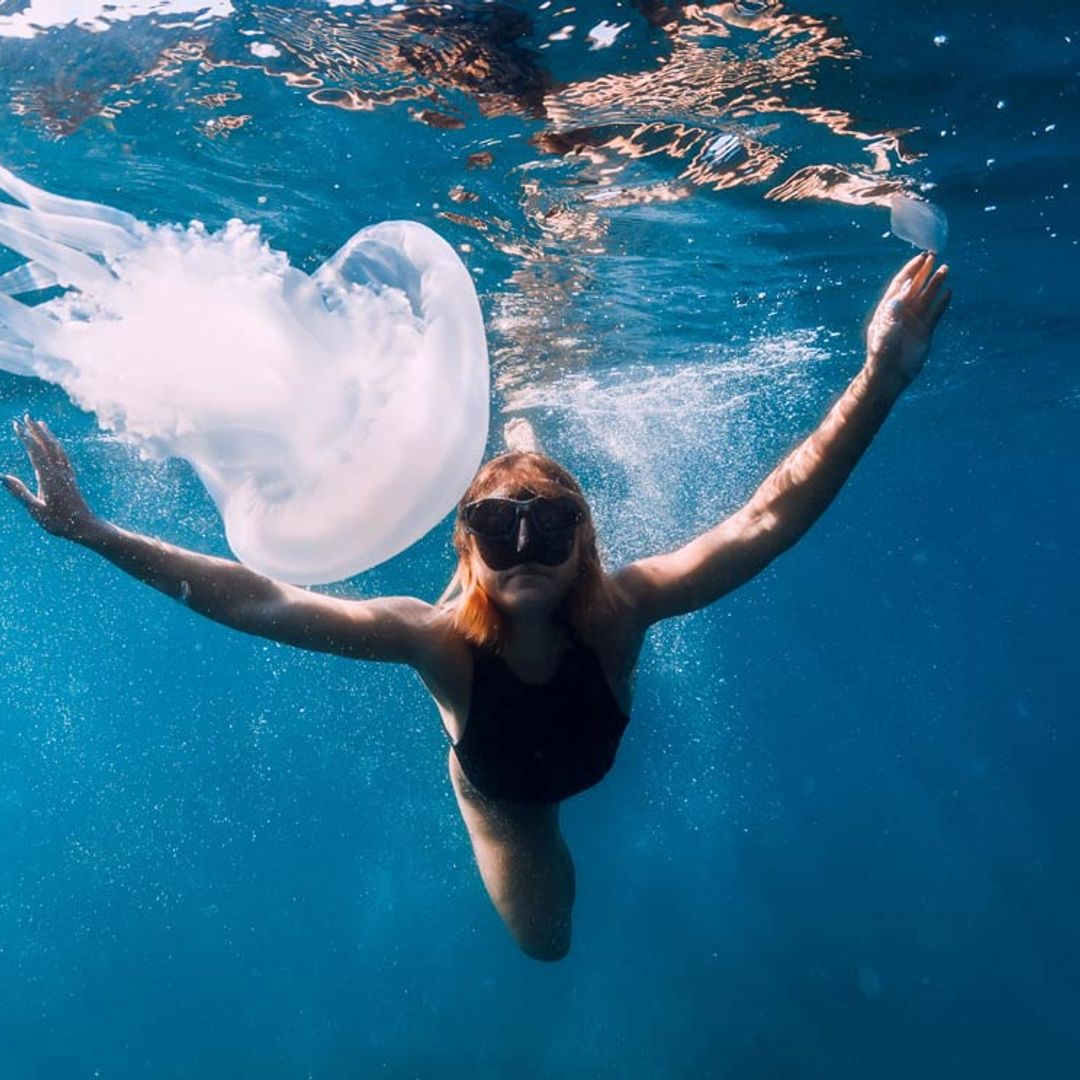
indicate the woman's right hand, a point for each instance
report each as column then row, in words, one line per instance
column 58, row 507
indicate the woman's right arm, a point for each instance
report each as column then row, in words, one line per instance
column 396, row 629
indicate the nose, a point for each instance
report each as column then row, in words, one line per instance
column 523, row 534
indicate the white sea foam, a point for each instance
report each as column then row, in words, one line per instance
column 95, row 15
column 334, row 418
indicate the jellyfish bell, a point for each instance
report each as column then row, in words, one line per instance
column 919, row 222
column 334, row 418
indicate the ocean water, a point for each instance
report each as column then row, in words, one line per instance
column 840, row 838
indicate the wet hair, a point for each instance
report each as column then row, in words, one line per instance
column 474, row 614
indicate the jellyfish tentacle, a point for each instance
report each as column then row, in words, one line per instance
column 82, row 234
column 22, row 323
column 38, row 199
column 72, row 267
column 30, row 277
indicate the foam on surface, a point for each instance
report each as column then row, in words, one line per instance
column 96, row 15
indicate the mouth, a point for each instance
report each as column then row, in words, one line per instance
column 528, row 570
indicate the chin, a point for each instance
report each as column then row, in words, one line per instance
column 536, row 598
column 529, row 607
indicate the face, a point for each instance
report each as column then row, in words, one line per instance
column 528, row 590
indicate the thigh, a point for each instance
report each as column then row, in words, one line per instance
column 524, row 863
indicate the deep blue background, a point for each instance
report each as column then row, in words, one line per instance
column 841, row 837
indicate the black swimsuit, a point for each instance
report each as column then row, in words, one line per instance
column 539, row 744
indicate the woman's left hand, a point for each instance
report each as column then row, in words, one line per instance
column 898, row 338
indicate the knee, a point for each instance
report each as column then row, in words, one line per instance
column 548, row 948
column 549, row 953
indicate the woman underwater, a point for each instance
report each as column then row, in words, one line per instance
column 530, row 653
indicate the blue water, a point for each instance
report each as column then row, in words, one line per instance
column 840, row 839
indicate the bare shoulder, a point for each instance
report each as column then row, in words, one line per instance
column 616, row 634
column 438, row 639
column 626, row 588
column 441, row 657
column 430, row 640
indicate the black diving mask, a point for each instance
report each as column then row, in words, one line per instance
column 510, row 532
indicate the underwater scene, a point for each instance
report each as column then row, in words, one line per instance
column 278, row 277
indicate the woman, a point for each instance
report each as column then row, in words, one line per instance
column 529, row 655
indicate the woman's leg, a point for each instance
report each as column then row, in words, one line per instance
column 525, row 866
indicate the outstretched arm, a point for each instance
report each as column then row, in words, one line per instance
column 798, row 490
column 395, row 628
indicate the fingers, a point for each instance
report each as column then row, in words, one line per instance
column 21, row 492
column 31, row 446
column 36, row 430
column 903, row 278
column 922, row 274
column 47, row 441
column 933, row 286
column 51, row 467
column 41, row 445
column 52, row 444
column 921, row 288
column 939, row 306
column 28, row 434
column 58, row 451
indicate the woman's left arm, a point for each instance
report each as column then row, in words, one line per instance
column 797, row 491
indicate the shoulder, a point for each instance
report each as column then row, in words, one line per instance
column 616, row 633
column 620, row 615
column 442, row 656
column 430, row 626
column 408, row 628
column 396, row 629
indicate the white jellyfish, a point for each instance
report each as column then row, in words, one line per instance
column 919, row 222
column 334, row 418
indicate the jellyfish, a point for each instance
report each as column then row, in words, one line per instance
column 334, row 418
column 919, row 222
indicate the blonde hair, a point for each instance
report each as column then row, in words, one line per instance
column 474, row 614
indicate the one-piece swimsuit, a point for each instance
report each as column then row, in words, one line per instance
column 539, row 743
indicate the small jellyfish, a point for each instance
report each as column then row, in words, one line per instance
column 918, row 222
